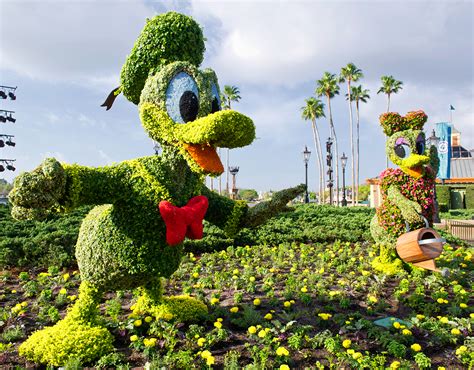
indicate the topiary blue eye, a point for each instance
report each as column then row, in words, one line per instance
column 182, row 98
column 402, row 150
column 216, row 99
column 420, row 144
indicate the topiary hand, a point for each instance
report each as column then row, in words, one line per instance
column 38, row 193
column 263, row 211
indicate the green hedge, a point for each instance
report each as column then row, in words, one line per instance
column 443, row 195
column 470, row 197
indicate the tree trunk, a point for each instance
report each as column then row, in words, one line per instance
column 336, row 158
column 227, row 174
column 358, row 153
column 388, row 105
column 352, row 140
column 386, row 138
column 220, row 176
column 317, row 145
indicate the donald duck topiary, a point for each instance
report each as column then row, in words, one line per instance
column 408, row 191
column 146, row 207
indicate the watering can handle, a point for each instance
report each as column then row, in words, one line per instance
column 407, row 226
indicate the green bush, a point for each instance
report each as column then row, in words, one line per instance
column 470, row 197
column 443, row 195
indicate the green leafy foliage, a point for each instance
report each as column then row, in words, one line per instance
column 165, row 39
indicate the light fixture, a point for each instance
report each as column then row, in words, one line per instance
column 2, row 168
column 3, row 119
column 10, row 167
column 11, row 119
column 12, row 95
column 2, row 143
column 10, row 142
column 343, row 160
column 2, row 94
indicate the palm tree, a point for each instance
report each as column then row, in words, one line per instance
column 358, row 95
column 229, row 94
column 313, row 110
column 389, row 86
column 351, row 73
column 327, row 86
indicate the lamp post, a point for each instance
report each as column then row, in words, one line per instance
column 343, row 164
column 329, row 164
column 306, row 155
column 433, row 140
column 233, row 171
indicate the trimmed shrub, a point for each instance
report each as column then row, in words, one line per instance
column 443, row 195
column 470, row 197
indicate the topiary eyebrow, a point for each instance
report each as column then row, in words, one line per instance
column 401, row 140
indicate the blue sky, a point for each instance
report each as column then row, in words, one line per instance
column 66, row 56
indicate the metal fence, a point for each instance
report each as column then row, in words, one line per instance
column 462, row 229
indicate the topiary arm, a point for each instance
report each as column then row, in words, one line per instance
column 411, row 211
column 88, row 185
column 263, row 211
column 223, row 212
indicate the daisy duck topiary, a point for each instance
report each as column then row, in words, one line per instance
column 145, row 207
column 408, row 191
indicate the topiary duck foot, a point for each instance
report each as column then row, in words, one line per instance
column 182, row 308
column 68, row 339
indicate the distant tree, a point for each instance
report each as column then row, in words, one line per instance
column 364, row 191
column 327, row 86
column 358, row 94
column 248, row 194
column 351, row 73
column 389, row 86
column 5, row 187
column 313, row 110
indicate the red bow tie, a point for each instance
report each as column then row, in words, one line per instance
column 183, row 221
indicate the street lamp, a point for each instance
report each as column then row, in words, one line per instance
column 343, row 164
column 306, row 154
column 233, row 171
column 433, row 140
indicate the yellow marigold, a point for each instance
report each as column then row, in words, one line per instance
column 236, row 271
column 148, row 319
column 321, row 270
column 13, row 291
column 415, row 347
column 462, row 305
column 455, row 331
column 441, row 368
column 137, row 322
column 66, row 276
column 420, row 317
column 324, row 316
column 214, row 301
column 444, row 320
column 373, row 299
column 406, row 332
column 440, row 300
column 205, row 354
column 24, row 304
column 304, row 289
column 256, row 302
column 262, row 333
column 396, row 325
column 287, row 304
column 461, row 350
column 200, row 342
column 234, row 309
column 149, row 342
column 218, row 324
column 268, row 316
column 134, row 338
column 252, row 279
column 282, row 351
column 195, row 275
column 210, row 360
column 63, row 291
column 395, row 365
column 356, row 355
column 346, row 343
column 252, row 329
column 350, row 351
column 284, row 367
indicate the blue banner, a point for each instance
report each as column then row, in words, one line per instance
column 443, row 131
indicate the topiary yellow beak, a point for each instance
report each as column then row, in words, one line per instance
column 413, row 165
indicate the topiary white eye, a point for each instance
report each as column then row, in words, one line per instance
column 216, row 99
column 402, row 150
column 182, row 98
